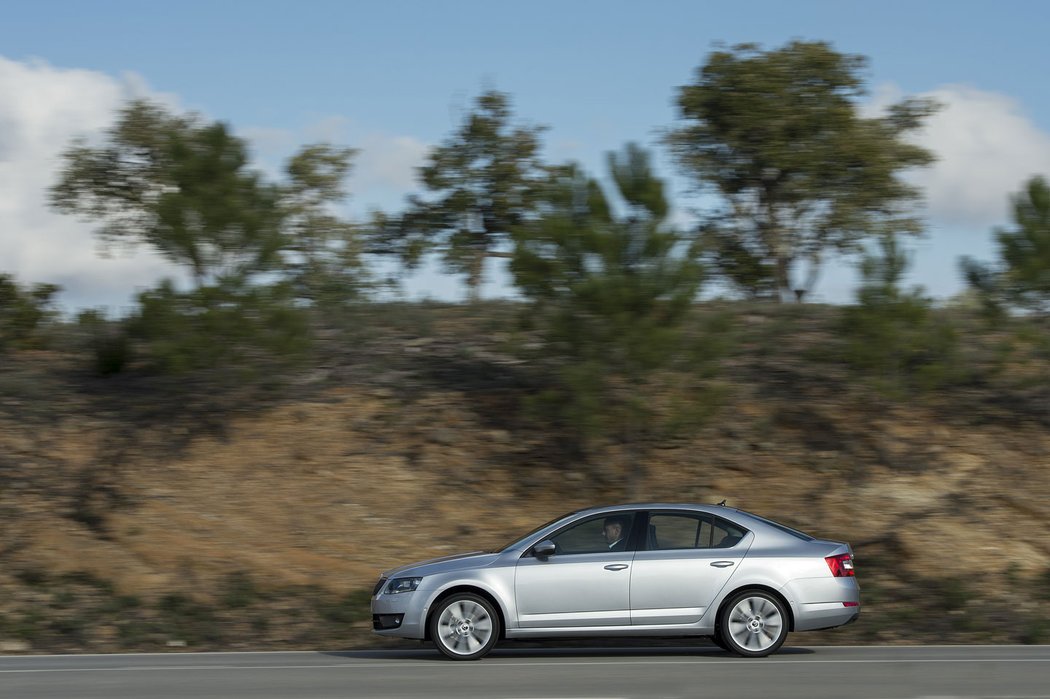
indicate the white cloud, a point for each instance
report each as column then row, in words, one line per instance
column 388, row 162
column 986, row 148
column 384, row 169
column 42, row 108
column 329, row 129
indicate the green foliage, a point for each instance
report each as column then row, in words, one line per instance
column 778, row 136
column 32, row 577
column 1021, row 278
column 323, row 255
column 479, row 184
column 256, row 252
column 240, row 590
column 188, row 620
column 611, row 294
column 1042, row 585
column 24, row 311
column 350, row 608
column 179, row 185
column 106, row 340
column 893, row 334
column 228, row 325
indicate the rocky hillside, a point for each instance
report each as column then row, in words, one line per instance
column 142, row 512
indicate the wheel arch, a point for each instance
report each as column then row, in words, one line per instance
column 471, row 589
column 762, row 588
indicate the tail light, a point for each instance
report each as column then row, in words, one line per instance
column 841, row 565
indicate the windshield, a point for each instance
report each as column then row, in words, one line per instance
column 518, row 540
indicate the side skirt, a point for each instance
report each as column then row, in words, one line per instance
column 637, row 630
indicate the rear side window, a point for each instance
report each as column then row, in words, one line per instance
column 725, row 534
column 669, row 531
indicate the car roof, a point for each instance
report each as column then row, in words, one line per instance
column 741, row 517
column 656, row 506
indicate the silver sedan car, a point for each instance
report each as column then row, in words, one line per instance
column 627, row 570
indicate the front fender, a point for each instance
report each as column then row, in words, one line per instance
column 496, row 585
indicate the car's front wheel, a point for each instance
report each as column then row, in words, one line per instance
column 753, row 624
column 464, row 626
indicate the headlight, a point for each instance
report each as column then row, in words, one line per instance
column 399, row 585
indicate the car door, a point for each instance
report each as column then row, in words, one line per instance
column 586, row 582
column 686, row 559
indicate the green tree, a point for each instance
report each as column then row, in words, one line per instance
column 323, row 255
column 778, row 137
column 1021, row 278
column 611, row 293
column 179, row 185
column 184, row 187
column 24, row 310
column 894, row 334
column 479, row 184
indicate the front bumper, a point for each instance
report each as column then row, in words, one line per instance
column 400, row 616
column 387, row 622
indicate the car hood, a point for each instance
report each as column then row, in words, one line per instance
column 445, row 564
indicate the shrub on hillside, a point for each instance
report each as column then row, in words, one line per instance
column 894, row 335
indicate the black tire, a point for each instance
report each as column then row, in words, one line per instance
column 717, row 639
column 464, row 626
column 753, row 624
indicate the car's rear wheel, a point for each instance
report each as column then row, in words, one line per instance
column 464, row 626
column 753, row 624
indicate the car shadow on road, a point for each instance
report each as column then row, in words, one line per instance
column 514, row 650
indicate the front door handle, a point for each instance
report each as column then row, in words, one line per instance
column 722, row 564
column 616, row 566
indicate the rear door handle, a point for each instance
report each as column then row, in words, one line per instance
column 722, row 564
column 616, row 566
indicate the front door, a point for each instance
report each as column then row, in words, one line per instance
column 586, row 582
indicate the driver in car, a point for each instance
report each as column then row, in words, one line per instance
column 616, row 533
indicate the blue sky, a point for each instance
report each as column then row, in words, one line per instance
column 392, row 77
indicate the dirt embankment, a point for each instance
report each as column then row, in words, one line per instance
column 137, row 517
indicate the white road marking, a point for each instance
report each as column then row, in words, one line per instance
column 393, row 664
column 387, row 650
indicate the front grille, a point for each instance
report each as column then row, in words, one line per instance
column 378, row 587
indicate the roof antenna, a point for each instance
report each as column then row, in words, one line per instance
column 722, row 504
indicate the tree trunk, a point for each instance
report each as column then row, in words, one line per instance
column 811, row 278
column 783, row 271
column 475, row 276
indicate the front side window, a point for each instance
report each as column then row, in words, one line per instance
column 596, row 535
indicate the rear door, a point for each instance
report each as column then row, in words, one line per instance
column 586, row 582
column 686, row 559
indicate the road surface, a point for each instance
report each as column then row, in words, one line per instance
column 1016, row 672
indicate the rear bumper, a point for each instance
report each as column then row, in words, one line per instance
column 813, row 617
column 821, row 603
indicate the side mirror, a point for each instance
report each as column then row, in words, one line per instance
column 544, row 548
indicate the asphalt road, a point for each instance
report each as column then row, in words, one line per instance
column 811, row 672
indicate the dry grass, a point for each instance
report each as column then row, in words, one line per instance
column 409, row 444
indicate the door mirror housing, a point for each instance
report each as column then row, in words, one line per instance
column 544, row 549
